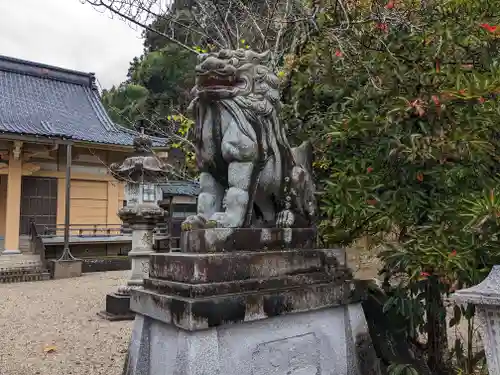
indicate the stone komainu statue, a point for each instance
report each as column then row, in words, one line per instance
column 250, row 176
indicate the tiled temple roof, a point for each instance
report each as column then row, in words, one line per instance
column 43, row 100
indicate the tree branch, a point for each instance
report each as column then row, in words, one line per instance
column 100, row 3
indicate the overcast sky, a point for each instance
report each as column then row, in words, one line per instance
column 68, row 34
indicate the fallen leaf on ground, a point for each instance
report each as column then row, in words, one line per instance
column 50, row 349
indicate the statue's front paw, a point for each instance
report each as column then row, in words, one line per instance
column 219, row 220
column 193, row 222
column 285, row 219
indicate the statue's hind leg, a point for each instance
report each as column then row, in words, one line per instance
column 209, row 202
column 237, row 196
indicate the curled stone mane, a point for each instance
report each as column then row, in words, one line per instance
column 262, row 100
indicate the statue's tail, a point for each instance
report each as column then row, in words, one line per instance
column 306, row 200
column 303, row 155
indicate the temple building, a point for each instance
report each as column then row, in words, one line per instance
column 47, row 113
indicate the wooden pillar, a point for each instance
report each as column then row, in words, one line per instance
column 61, row 201
column 113, row 203
column 3, row 202
column 66, row 255
column 13, row 206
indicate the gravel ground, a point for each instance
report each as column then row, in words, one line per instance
column 61, row 314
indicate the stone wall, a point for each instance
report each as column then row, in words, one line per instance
column 89, row 250
column 105, row 264
column 364, row 263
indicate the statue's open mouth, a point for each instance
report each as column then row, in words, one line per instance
column 221, row 83
column 216, row 81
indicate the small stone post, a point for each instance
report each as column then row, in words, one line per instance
column 142, row 217
column 486, row 297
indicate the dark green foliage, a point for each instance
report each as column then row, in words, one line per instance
column 402, row 104
column 125, row 103
column 158, row 86
column 388, row 332
column 407, row 124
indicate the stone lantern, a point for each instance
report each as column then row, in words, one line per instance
column 140, row 172
column 486, row 297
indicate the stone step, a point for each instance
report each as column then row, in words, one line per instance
column 23, row 274
column 43, row 276
column 16, row 262
column 24, row 244
column 17, row 267
column 19, row 258
column 30, row 265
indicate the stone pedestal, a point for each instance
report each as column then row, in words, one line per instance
column 142, row 218
column 486, row 297
column 142, row 248
column 278, row 307
column 64, row 269
column 117, row 307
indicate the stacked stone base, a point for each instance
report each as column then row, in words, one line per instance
column 328, row 341
column 282, row 307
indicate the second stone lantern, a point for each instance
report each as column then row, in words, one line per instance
column 140, row 172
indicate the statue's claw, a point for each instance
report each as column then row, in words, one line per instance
column 193, row 222
column 211, row 224
column 219, row 220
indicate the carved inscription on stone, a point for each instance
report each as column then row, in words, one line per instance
column 132, row 193
column 297, row 355
column 147, row 239
column 145, row 266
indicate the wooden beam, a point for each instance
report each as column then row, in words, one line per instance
column 34, row 139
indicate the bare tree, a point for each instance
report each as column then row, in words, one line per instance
column 275, row 25
column 282, row 27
